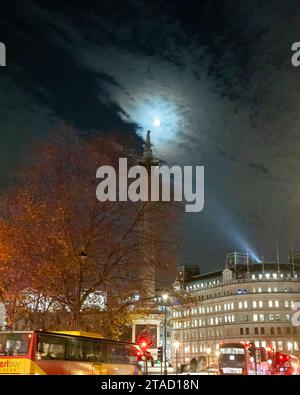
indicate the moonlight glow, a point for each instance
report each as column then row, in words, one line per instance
column 156, row 122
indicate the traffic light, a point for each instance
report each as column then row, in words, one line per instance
column 160, row 354
column 144, row 343
column 252, row 350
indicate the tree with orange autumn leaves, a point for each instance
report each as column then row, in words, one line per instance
column 60, row 248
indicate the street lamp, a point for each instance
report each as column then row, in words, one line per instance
column 82, row 258
column 176, row 346
column 208, row 350
column 165, row 297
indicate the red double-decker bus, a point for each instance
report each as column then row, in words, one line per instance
column 242, row 359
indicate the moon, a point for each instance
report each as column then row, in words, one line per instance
column 156, row 122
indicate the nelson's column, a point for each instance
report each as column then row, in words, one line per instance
column 148, row 326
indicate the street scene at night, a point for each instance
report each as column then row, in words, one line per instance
column 150, row 191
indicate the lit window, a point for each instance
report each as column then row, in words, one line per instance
column 245, row 304
column 232, row 306
column 259, row 290
column 253, row 276
column 240, row 305
column 286, row 303
column 255, row 317
column 271, row 317
column 270, row 303
column 260, row 303
column 260, row 276
column 274, row 275
column 261, row 317
column 276, row 303
column 257, row 344
column 296, row 346
column 275, row 289
column 267, row 275
column 280, row 347
column 263, row 343
column 269, row 289
column 254, row 304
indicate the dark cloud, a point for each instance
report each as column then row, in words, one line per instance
column 258, row 167
column 217, row 73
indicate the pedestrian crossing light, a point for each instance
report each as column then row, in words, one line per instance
column 160, row 354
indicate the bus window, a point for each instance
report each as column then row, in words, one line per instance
column 84, row 350
column 131, row 353
column 93, row 351
column 115, row 352
column 50, row 347
column 75, row 350
column 99, row 351
column 14, row 343
column 88, row 351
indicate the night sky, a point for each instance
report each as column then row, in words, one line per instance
column 217, row 74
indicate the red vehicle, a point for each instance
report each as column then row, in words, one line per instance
column 285, row 364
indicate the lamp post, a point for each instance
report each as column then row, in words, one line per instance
column 165, row 297
column 208, row 350
column 176, row 346
column 82, row 258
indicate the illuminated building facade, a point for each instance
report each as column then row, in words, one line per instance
column 246, row 301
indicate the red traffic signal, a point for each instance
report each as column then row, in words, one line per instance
column 144, row 343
